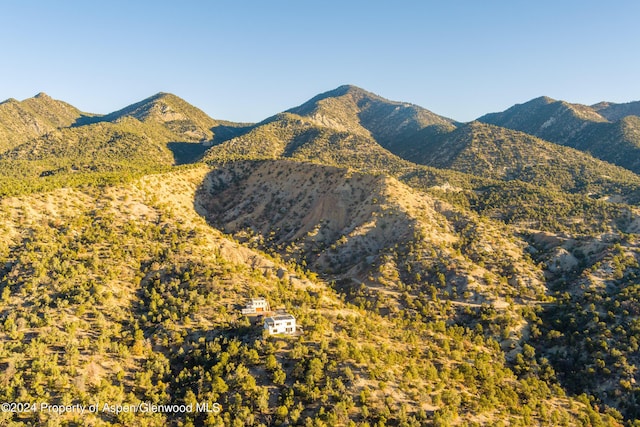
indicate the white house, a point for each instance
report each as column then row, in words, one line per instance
column 280, row 324
column 256, row 305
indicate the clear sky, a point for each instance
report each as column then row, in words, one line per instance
column 246, row 60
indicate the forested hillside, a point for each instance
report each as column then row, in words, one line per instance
column 440, row 273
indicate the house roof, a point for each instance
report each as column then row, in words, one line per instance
column 279, row 318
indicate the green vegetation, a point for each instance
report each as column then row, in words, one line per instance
column 610, row 136
column 499, row 153
column 358, row 111
column 590, row 334
column 494, row 281
column 24, row 177
column 51, row 144
column 152, row 316
column 20, row 121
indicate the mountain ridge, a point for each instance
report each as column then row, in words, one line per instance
column 376, row 116
column 579, row 126
column 500, row 153
column 32, row 117
column 169, row 110
column 616, row 111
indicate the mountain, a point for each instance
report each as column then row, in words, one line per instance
column 614, row 112
column 441, row 273
column 24, row 120
column 500, row 153
column 186, row 122
column 578, row 126
column 546, row 118
column 73, row 147
column 347, row 126
column 349, row 108
column 391, row 124
column 170, row 111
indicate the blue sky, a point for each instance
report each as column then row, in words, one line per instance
column 246, row 60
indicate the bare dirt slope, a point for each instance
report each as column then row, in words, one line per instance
column 360, row 226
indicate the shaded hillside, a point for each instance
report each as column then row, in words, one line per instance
column 590, row 334
column 576, row 126
column 500, row 153
column 24, row 120
column 349, row 224
column 546, row 118
column 292, row 136
column 614, row 112
column 356, row 110
column 617, row 143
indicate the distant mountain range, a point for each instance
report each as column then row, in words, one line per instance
column 607, row 131
column 347, row 126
